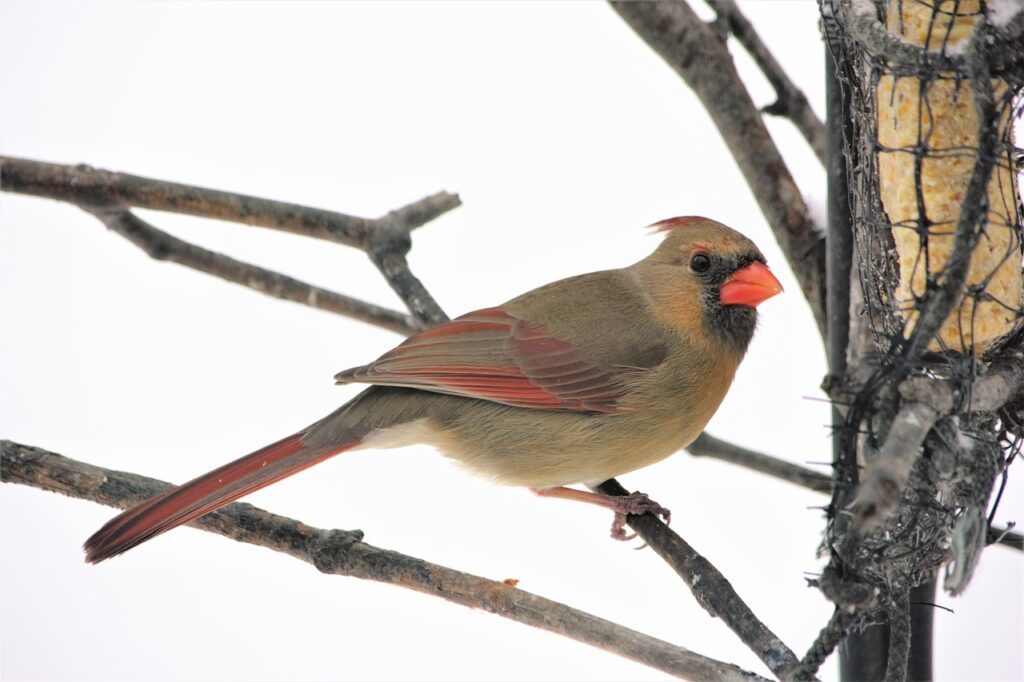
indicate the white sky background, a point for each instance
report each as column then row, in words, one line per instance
column 564, row 135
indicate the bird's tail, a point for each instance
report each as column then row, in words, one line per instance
column 209, row 492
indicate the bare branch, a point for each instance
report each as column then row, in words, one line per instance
column 1002, row 384
column 790, row 101
column 387, row 249
column 887, row 473
column 85, row 185
column 162, row 246
column 710, row 588
column 707, row 445
column 926, row 400
column 699, row 56
column 341, row 552
column 386, row 240
column 419, row 213
column 1007, row 537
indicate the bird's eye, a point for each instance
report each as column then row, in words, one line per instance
column 700, row 262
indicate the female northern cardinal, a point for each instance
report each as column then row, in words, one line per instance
column 578, row 381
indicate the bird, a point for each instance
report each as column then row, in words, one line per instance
column 577, row 381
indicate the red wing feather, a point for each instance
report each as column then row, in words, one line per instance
column 492, row 355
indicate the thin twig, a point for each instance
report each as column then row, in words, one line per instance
column 108, row 196
column 1006, row 537
column 162, row 246
column 341, row 552
column 710, row 588
column 84, row 185
column 707, row 445
column 696, row 53
column 991, row 393
column 790, row 100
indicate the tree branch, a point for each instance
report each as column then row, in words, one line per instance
column 710, row 588
column 926, row 400
column 707, row 445
column 1007, row 537
column 108, row 196
column 887, row 473
column 162, row 246
column 341, row 552
column 85, row 185
column 697, row 54
column 790, row 100
column 387, row 249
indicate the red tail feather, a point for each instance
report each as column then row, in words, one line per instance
column 205, row 494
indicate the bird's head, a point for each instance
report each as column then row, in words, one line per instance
column 706, row 278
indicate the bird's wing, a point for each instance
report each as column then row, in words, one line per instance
column 492, row 355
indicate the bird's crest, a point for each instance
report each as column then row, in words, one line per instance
column 675, row 223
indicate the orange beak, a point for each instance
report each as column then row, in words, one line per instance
column 750, row 285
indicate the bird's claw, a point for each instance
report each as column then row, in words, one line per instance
column 634, row 503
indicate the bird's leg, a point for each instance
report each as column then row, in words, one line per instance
column 621, row 505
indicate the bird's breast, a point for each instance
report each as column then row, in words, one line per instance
column 544, row 448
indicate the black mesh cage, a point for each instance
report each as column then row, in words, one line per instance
column 934, row 106
column 916, row 139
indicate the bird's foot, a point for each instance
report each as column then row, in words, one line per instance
column 622, row 505
column 634, row 503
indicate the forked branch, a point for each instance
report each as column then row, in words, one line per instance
column 109, row 196
column 341, row 552
column 710, row 588
column 790, row 100
column 695, row 52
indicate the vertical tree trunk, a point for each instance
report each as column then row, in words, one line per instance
column 862, row 655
